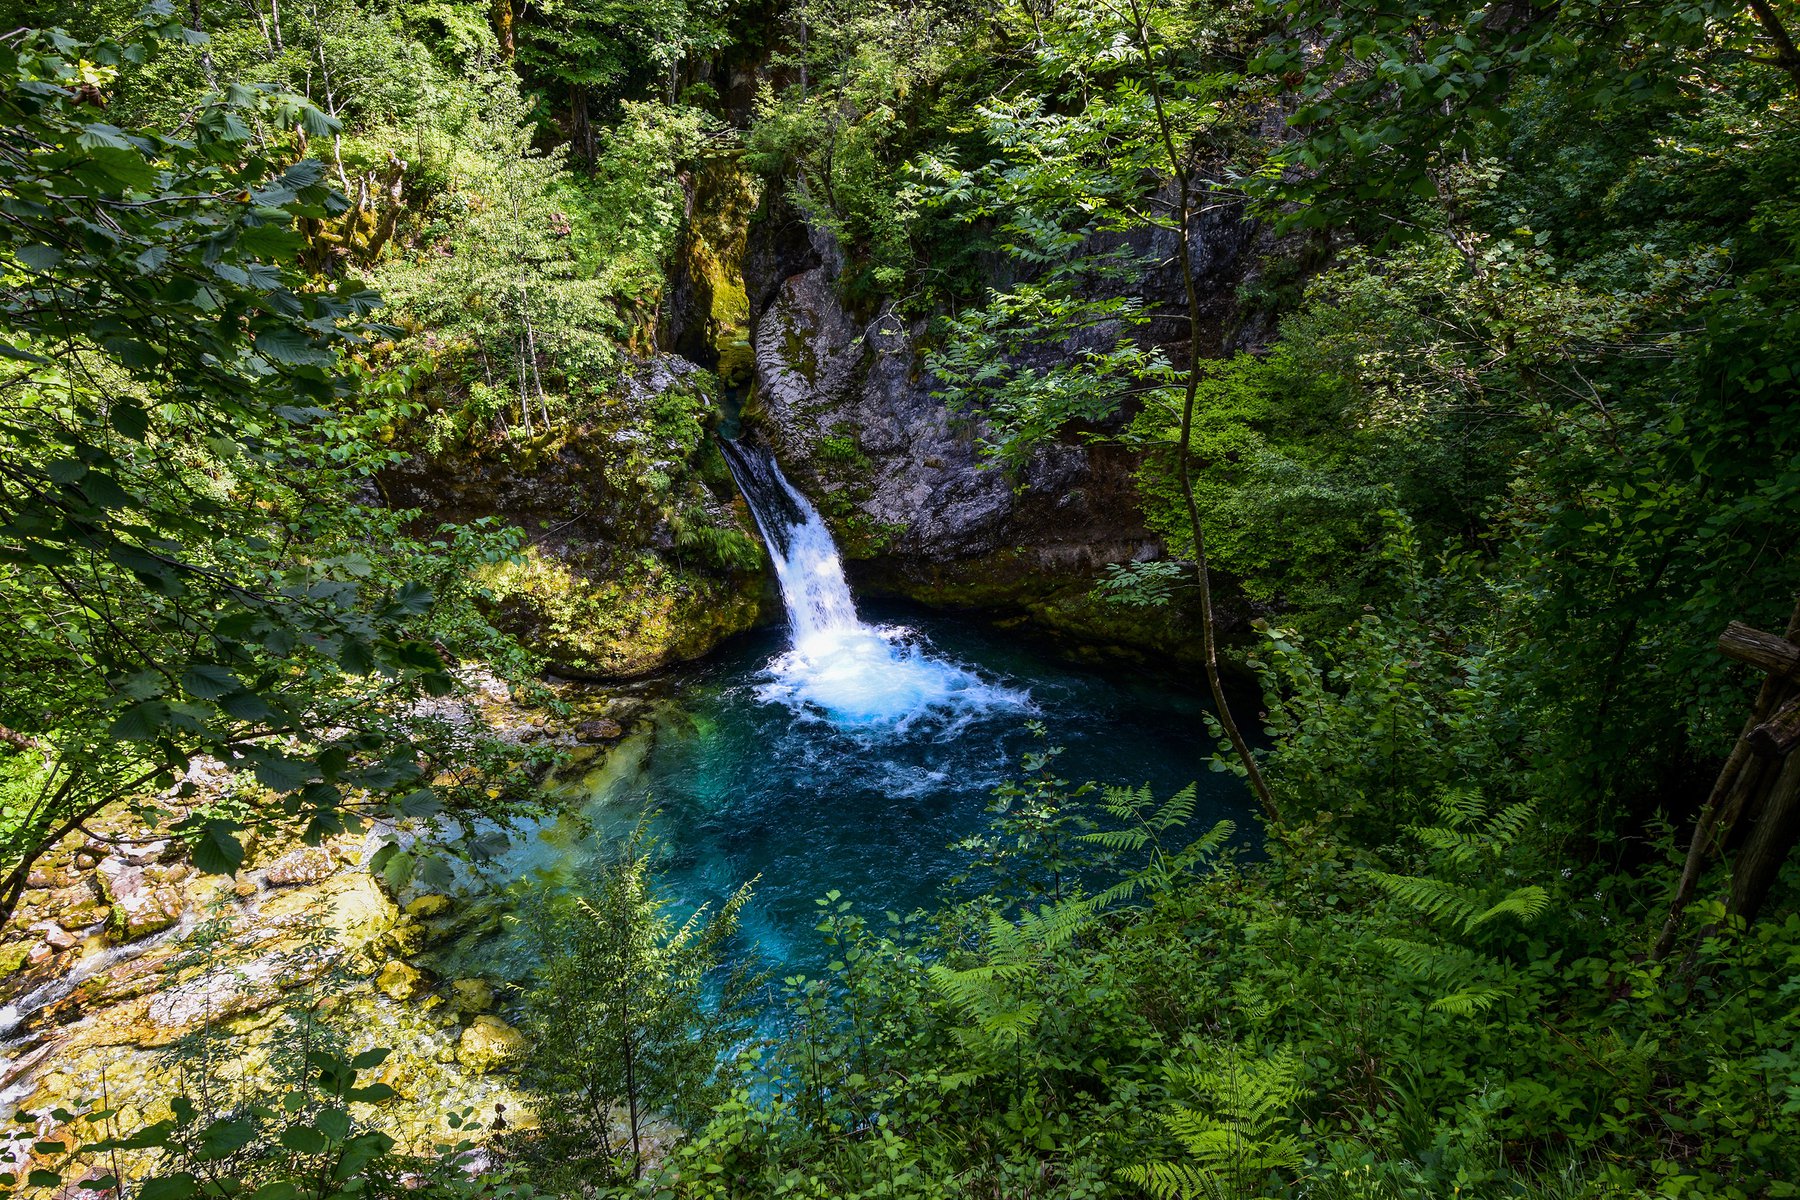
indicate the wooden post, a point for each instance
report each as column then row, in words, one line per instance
column 1758, row 786
column 1777, row 736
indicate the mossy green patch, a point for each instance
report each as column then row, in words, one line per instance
column 621, row 618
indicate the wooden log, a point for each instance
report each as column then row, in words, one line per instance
column 1766, row 849
column 1777, row 736
column 1767, row 652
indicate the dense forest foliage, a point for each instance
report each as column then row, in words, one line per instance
column 1496, row 437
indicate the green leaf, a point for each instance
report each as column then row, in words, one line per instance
column 412, row 599
column 304, row 1139
column 132, row 352
column 422, row 803
column 223, row 1138
column 130, row 420
column 141, row 722
column 65, row 470
column 208, row 681
column 356, row 656
column 218, row 851
column 433, row 872
column 179, row 1186
column 246, row 705
column 40, row 258
column 397, row 871
column 96, row 136
column 280, row 774
column 286, row 344
column 103, row 491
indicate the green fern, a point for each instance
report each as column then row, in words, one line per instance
column 1472, row 843
column 1235, row 1134
column 1144, row 824
column 1466, row 907
column 1453, row 967
column 995, row 994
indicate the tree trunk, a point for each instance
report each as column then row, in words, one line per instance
column 502, row 15
column 206, row 58
column 581, row 126
column 1787, row 57
column 1203, row 573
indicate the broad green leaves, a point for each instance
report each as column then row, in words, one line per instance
column 185, row 570
column 314, row 1141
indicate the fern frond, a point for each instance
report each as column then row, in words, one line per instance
column 1118, row 893
column 1432, row 897
column 1431, row 962
column 1054, row 926
column 1508, row 825
column 1461, row 807
column 1210, row 842
column 1475, row 998
column 1172, row 1181
column 1126, row 803
column 1126, row 840
column 1177, row 810
column 1461, row 847
column 1525, row 903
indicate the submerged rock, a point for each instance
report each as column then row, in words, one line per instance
column 424, row 908
column 471, row 996
column 226, row 992
column 602, row 729
column 400, row 980
column 490, row 1044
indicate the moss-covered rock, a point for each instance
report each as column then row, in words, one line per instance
column 400, row 980
column 639, row 552
column 617, row 619
column 490, row 1044
column 144, row 899
column 428, row 906
column 471, row 995
column 12, row 957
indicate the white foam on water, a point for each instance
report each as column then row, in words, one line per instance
column 871, row 679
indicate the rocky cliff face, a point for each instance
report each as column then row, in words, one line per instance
column 638, row 552
column 845, row 402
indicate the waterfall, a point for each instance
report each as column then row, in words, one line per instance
column 871, row 678
column 807, row 563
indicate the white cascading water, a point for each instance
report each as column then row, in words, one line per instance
column 857, row 676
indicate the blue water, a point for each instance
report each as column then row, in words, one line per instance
column 845, row 753
column 743, row 770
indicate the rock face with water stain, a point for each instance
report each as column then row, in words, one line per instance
column 845, row 401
